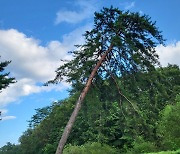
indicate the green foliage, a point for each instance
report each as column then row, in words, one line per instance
column 141, row 146
column 10, row 149
column 151, row 92
column 169, row 127
column 44, row 136
column 29, row 139
column 166, row 152
column 4, row 79
column 49, row 148
column 133, row 38
column 90, row 148
column 108, row 118
column 41, row 114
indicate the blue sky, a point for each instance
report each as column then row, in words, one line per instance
column 35, row 35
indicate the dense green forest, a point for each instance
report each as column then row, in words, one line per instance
column 146, row 122
column 132, row 104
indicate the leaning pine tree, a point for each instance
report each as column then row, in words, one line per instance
column 120, row 43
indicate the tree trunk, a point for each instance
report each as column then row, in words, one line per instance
column 72, row 119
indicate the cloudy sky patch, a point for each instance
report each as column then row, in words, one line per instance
column 85, row 11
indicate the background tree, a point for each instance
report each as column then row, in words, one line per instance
column 168, row 126
column 4, row 79
column 121, row 43
column 10, row 149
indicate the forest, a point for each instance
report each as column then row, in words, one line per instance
column 132, row 105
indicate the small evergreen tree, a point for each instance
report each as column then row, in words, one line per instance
column 4, row 79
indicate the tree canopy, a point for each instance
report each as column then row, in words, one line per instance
column 133, row 38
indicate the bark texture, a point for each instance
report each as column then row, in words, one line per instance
column 72, row 119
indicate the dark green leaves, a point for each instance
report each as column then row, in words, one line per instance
column 4, row 79
column 133, row 36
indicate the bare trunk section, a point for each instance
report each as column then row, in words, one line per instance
column 72, row 119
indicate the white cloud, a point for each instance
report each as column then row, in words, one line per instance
column 141, row 12
column 8, row 118
column 4, row 117
column 86, row 10
column 29, row 59
column 128, row 5
column 32, row 63
column 25, row 87
column 169, row 54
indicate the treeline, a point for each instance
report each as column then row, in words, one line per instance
column 137, row 113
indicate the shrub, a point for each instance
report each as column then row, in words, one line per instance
column 49, row 148
column 142, row 146
column 90, row 148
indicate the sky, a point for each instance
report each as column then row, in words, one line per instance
column 36, row 35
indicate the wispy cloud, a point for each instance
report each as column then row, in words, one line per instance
column 4, row 116
column 8, row 118
column 86, row 10
column 128, row 5
column 141, row 12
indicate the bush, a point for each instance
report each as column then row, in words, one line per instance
column 169, row 128
column 142, row 146
column 49, row 148
column 90, row 148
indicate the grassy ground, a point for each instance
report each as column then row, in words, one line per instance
column 167, row 152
